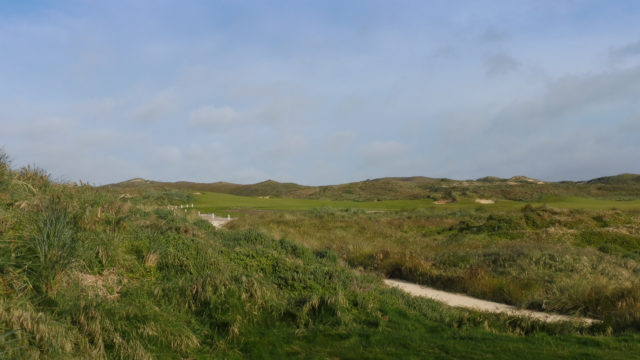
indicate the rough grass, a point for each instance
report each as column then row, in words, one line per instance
column 144, row 282
column 568, row 261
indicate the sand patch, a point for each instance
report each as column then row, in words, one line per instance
column 485, row 201
column 217, row 221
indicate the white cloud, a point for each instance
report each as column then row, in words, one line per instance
column 339, row 142
column 37, row 127
column 100, row 109
column 158, row 107
column 169, row 154
column 290, row 146
column 215, row 117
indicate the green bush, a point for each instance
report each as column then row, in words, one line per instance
column 610, row 241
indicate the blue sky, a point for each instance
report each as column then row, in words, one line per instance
column 320, row 92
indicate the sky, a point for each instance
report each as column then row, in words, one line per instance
column 320, row 92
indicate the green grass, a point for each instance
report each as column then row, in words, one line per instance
column 216, row 202
column 86, row 273
column 569, row 261
column 145, row 282
column 212, row 202
column 589, row 203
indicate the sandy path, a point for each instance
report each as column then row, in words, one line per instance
column 468, row 302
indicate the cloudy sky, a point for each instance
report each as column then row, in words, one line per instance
column 320, row 92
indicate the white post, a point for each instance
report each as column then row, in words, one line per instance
column 228, row 217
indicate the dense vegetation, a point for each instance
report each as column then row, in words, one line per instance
column 583, row 262
column 87, row 272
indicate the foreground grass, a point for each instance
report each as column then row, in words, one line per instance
column 85, row 273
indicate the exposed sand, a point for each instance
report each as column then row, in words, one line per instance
column 485, row 201
column 217, row 221
column 468, row 302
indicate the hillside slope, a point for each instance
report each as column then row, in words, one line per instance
column 417, row 187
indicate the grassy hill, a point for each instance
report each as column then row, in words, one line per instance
column 622, row 179
column 265, row 188
column 519, row 188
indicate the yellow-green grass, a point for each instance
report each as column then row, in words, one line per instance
column 589, row 203
column 211, row 202
column 215, row 202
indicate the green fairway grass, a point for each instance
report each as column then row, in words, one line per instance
column 212, row 202
column 215, row 202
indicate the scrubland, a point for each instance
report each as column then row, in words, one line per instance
column 88, row 272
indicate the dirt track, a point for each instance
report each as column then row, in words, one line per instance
column 468, row 302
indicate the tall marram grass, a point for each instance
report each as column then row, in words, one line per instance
column 50, row 247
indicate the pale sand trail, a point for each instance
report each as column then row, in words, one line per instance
column 468, row 302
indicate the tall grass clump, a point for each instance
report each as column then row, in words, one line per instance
column 49, row 247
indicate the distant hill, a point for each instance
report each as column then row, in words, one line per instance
column 622, row 179
column 415, row 187
column 273, row 188
column 265, row 188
